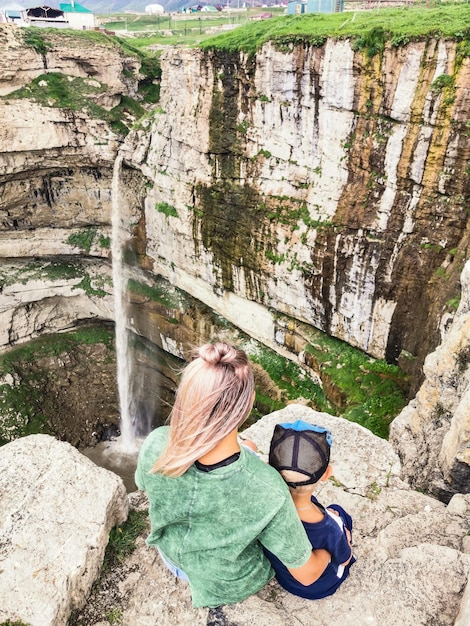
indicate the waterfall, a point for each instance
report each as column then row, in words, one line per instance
column 123, row 360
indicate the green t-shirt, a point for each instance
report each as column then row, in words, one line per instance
column 212, row 524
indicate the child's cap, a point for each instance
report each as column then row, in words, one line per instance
column 301, row 447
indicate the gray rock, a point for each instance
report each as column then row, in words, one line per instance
column 56, row 511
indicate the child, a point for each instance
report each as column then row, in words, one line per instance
column 301, row 453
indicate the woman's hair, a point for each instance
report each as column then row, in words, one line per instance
column 214, row 397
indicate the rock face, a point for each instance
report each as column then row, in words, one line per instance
column 313, row 187
column 413, row 553
column 314, row 182
column 56, row 171
column 432, row 434
column 56, row 511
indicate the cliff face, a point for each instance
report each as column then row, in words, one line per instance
column 314, row 182
column 56, row 168
column 304, row 187
column 432, row 433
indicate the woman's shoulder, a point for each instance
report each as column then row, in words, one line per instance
column 155, row 442
column 263, row 472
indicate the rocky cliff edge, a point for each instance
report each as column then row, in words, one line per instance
column 413, row 552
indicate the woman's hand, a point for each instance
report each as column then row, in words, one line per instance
column 313, row 568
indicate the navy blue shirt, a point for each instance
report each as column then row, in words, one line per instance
column 327, row 534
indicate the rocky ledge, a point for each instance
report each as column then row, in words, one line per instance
column 413, row 551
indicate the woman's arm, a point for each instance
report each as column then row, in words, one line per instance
column 313, row 568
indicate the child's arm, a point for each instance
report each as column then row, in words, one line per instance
column 313, row 568
column 249, row 444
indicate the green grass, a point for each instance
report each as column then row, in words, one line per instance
column 54, row 345
column 370, row 29
column 40, row 270
column 290, row 378
column 73, row 93
column 56, row 271
column 83, row 239
column 33, row 38
column 160, row 291
column 58, row 90
column 22, row 397
column 373, row 391
column 122, row 539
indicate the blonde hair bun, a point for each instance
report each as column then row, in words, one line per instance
column 215, row 353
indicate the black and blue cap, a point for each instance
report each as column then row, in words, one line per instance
column 301, row 447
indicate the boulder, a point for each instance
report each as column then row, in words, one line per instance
column 56, row 511
column 432, row 433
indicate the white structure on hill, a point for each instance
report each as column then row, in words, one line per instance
column 13, row 12
column 78, row 16
column 68, row 15
column 154, row 9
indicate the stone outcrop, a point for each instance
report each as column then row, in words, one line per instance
column 56, row 172
column 56, row 511
column 100, row 59
column 413, row 552
column 432, row 433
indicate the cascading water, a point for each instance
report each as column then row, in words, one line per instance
column 120, row 455
column 118, row 237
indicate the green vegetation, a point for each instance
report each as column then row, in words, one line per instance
column 114, row 616
column 122, row 538
column 443, row 81
column 22, row 382
column 34, row 38
column 69, row 38
column 160, row 291
column 166, row 209
column 40, row 270
column 373, row 392
column 176, row 30
column 83, row 239
column 87, row 285
column 15, row 623
column 105, row 242
column 362, row 389
column 372, row 41
column 370, row 29
column 289, row 378
column 58, row 90
column 55, row 271
column 76, row 94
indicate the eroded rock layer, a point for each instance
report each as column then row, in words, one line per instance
column 315, row 182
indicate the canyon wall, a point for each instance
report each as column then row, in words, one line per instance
column 301, row 188
column 56, row 169
column 314, row 182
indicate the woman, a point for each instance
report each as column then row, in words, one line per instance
column 212, row 503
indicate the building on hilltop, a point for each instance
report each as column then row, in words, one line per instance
column 70, row 15
column 78, row 16
column 298, row 7
column 154, row 9
column 45, row 16
column 14, row 13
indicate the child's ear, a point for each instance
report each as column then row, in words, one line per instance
column 327, row 474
